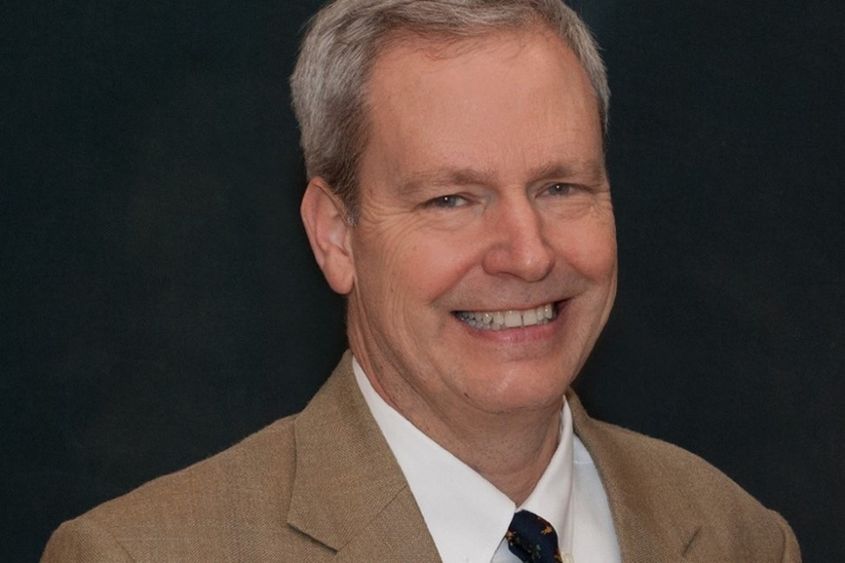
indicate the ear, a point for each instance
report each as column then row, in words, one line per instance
column 325, row 219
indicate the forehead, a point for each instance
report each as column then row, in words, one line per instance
column 493, row 102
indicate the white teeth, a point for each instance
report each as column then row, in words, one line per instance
column 513, row 319
column 500, row 320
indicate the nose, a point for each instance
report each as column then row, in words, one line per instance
column 519, row 246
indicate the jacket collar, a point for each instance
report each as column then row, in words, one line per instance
column 348, row 491
column 647, row 510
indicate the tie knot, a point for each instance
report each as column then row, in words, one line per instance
column 531, row 538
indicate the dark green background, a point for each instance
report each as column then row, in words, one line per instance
column 158, row 300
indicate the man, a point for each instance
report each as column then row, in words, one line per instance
column 458, row 197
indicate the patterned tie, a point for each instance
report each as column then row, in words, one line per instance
column 533, row 539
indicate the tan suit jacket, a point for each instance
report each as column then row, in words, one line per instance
column 323, row 486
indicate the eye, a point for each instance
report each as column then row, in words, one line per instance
column 560, row 189
column 447, row 201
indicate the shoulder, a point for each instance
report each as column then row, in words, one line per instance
column 207, row 511
column 655, row 464
column 233, row 476
column 650, row 482
column 236, row 505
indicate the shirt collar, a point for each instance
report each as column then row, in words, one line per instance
column 466, row 515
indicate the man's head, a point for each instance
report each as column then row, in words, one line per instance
column 481, row 266
column 329, row 84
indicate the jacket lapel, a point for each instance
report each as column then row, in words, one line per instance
column 651, row 521
column 348, row 491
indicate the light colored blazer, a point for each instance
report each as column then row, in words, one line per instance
column 323, row 486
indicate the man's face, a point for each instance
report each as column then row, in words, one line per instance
column 484, row 256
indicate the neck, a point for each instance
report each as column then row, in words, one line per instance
column 514, row 457
column 509, row 449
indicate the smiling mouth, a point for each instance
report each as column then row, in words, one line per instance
column 511, row 318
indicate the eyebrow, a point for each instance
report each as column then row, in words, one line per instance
column 590, row 170
column 593, row 171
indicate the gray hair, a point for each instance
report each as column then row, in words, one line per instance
column 329, row 82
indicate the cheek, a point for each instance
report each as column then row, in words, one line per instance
column 591, row 249
column 399, row 271
column 430, row 265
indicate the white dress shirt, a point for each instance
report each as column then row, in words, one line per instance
column 467, row 516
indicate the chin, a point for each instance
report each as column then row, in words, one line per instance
column 527, row 388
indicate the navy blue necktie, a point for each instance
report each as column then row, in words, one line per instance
column 531, row 538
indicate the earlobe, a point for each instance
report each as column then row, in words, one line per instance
column 325, row 219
